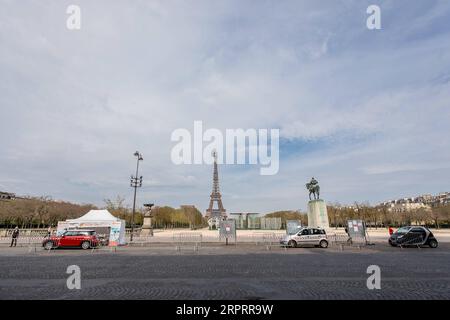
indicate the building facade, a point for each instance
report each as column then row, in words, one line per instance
column 7, row 196
column 426, row 201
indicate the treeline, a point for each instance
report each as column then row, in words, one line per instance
column 41, row 212
column 380, row 216
column 374, row 216
column 167, row 217
column 38, row 212
column 163, row 217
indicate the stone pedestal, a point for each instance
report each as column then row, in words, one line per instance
column 147, row 229
column 317, row 214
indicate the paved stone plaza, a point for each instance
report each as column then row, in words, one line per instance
column 233, row 272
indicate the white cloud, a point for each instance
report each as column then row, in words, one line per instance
column 372, row 107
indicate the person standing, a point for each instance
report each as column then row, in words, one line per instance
column 391, row 230
column 349, row 239
column 14, row 236
column 49, row 232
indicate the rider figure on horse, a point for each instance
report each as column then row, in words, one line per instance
column 313, row 188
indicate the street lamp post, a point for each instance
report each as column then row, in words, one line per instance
column 136, row 182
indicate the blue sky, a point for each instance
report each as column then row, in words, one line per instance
column 366, row 112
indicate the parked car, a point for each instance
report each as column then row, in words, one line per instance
column 84, row 239
column 306, row 237
column 413, row 236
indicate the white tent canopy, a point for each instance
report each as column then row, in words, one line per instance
column 98, row 219
column 96, row 215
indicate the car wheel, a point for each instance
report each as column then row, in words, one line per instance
column 292, row 244
column 433, row 244
column 85, row 245
column 323, row 244
column 48, row 245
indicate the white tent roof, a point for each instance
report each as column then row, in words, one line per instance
column 96, row 215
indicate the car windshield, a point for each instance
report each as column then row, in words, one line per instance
column 403, row 230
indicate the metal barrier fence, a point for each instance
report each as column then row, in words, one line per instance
column 339, row 238
column 148, row 240
column 187, row 240
column 255, row 238
column 197, row 239
column 269, row 240
column 24, row 232
column 343, row 239
column 22, row 241
column 262, row 238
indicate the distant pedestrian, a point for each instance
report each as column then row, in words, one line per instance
column 14, row 236
column 349, row 239
column 391, row 231
column 49, row 232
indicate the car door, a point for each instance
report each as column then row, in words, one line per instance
column 303, row 237
column 75, row 239
column 317, row 236
column 78, row 238
column 66, row 239
column 313, row 237
column 82, row 236
column 419, row 234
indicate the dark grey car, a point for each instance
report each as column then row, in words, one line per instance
column 413, row 236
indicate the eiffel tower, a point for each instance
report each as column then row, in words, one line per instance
column 215, row 215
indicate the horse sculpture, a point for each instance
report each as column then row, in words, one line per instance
column 314, row 189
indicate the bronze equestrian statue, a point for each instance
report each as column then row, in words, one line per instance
column 313, row 188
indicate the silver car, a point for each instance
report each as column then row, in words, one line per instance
column 306, row 237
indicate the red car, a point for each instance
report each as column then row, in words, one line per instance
column 84, row 239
